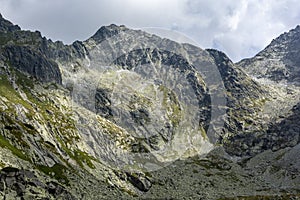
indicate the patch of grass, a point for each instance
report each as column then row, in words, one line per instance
column 2, row 165
column 10, row 93
column 4, row 143
column 203, row 133
column 124, row 140
column 79, row 156
column 57, row 171
column 16, row 128
column 138, row 101
column 82, row 157
column 172, row 105
column 18, row 135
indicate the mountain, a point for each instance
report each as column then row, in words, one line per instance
column 277, row 69
column 279, row 61
column 129, row 115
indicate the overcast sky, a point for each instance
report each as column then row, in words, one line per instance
column 240, row 28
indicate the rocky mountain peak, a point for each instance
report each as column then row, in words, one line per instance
column 287, row 36
column 219, row 56
column 7, row 26
column 279, row 61
column 108, row 31
column 285, row 42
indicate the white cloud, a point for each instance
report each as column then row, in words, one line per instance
column 239, row 28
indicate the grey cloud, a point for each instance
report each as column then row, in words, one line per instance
column 239, row 28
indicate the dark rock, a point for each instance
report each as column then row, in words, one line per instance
column 79, row 50
column 19, row 188
column 235, row 81
column 277, row 136
column 7, row 170
column 239, row 106
column 59, row 191
column 2, row 185
column 140, row 116
column 21, row 181
column 140, row 182
column 33, row 63
column 103, row 103
column 53, row 189
column 7, row 26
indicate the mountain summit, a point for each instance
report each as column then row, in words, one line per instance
column 279, row 61
column 129, row 115
column 108, row 31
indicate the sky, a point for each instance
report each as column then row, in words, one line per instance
column 240, row 28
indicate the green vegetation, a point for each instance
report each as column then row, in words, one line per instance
column 10, row 93
column 172, row 105
column 82, row 157
column 79, row 156
column 203, row 133
column 65, row 127
column 57, row 171
column 4, row 143
column 2, row 165
column 117, row 134
column 60, row 122
column 139, row 101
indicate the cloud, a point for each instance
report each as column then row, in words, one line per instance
column 239, row 28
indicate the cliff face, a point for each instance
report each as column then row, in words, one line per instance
column 128, row 113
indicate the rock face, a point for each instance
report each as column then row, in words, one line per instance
column 245, row 103
column 276, row 68
column 126, row 114
column 20, row 49
column 32, row 63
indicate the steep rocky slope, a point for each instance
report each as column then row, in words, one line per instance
column 277, row 69
column 255, row 108
column 126, row 114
